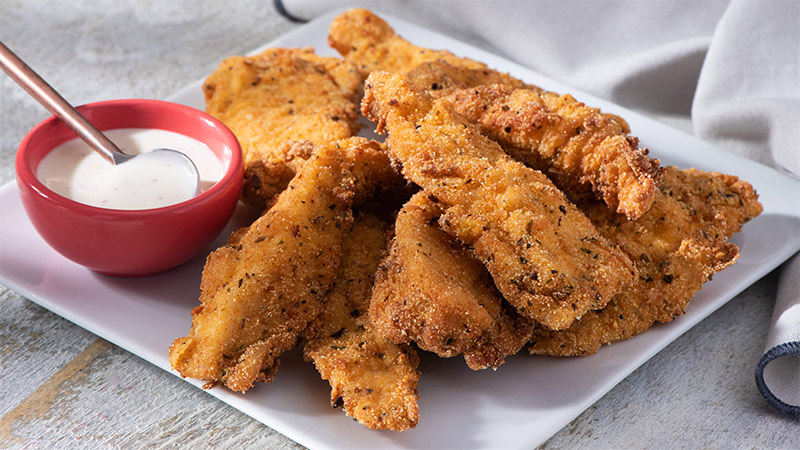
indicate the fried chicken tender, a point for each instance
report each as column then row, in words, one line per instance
column 372, row 379
column 279, row 104
column 677, row 245
column 260, row 292
column 371, row 44
column 545, row 256
column 579, row 147
column 432, row 291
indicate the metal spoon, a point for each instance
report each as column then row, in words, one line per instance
column 34, row 85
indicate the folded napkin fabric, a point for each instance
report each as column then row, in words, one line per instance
column 778, row 371
column 748, row 101
column 748, row 95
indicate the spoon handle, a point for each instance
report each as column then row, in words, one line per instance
column 23, row 75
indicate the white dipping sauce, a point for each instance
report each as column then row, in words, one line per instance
column 79, row 173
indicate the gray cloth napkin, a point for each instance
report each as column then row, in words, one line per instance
column 778, row 371
column 727, row 71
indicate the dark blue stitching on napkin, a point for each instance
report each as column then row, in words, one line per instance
column 789, row 348
column 282, row 10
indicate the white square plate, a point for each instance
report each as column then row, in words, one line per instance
column 520, row 406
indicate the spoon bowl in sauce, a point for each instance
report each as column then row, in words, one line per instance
column 151, row 179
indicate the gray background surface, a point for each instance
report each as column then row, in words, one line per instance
column 61, row 386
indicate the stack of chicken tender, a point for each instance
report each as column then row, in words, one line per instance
column 496, row 216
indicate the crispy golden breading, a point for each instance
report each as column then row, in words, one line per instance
column 428, row 288
column 371, row 44
column 438, row 78
column 276, row 103
column 260, row 292
column 545, row 256
column 579, row 147
column 372, row 379
column 676, row 246
column 723, row 202
column 432, row 291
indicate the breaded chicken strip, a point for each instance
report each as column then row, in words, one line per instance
column 260, row 292
column 677, row 245
column 579, row 147
column 371, row 44
column 432, row 291
column 545, row 256
column 372, row 379
column 279, row 104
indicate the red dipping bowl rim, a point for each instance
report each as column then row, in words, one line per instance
column 233, row 168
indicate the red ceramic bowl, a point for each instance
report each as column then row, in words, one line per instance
column 134, row 242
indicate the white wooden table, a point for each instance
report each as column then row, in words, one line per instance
column 62, row 387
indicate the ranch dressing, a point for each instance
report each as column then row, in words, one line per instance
column 79, row 173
